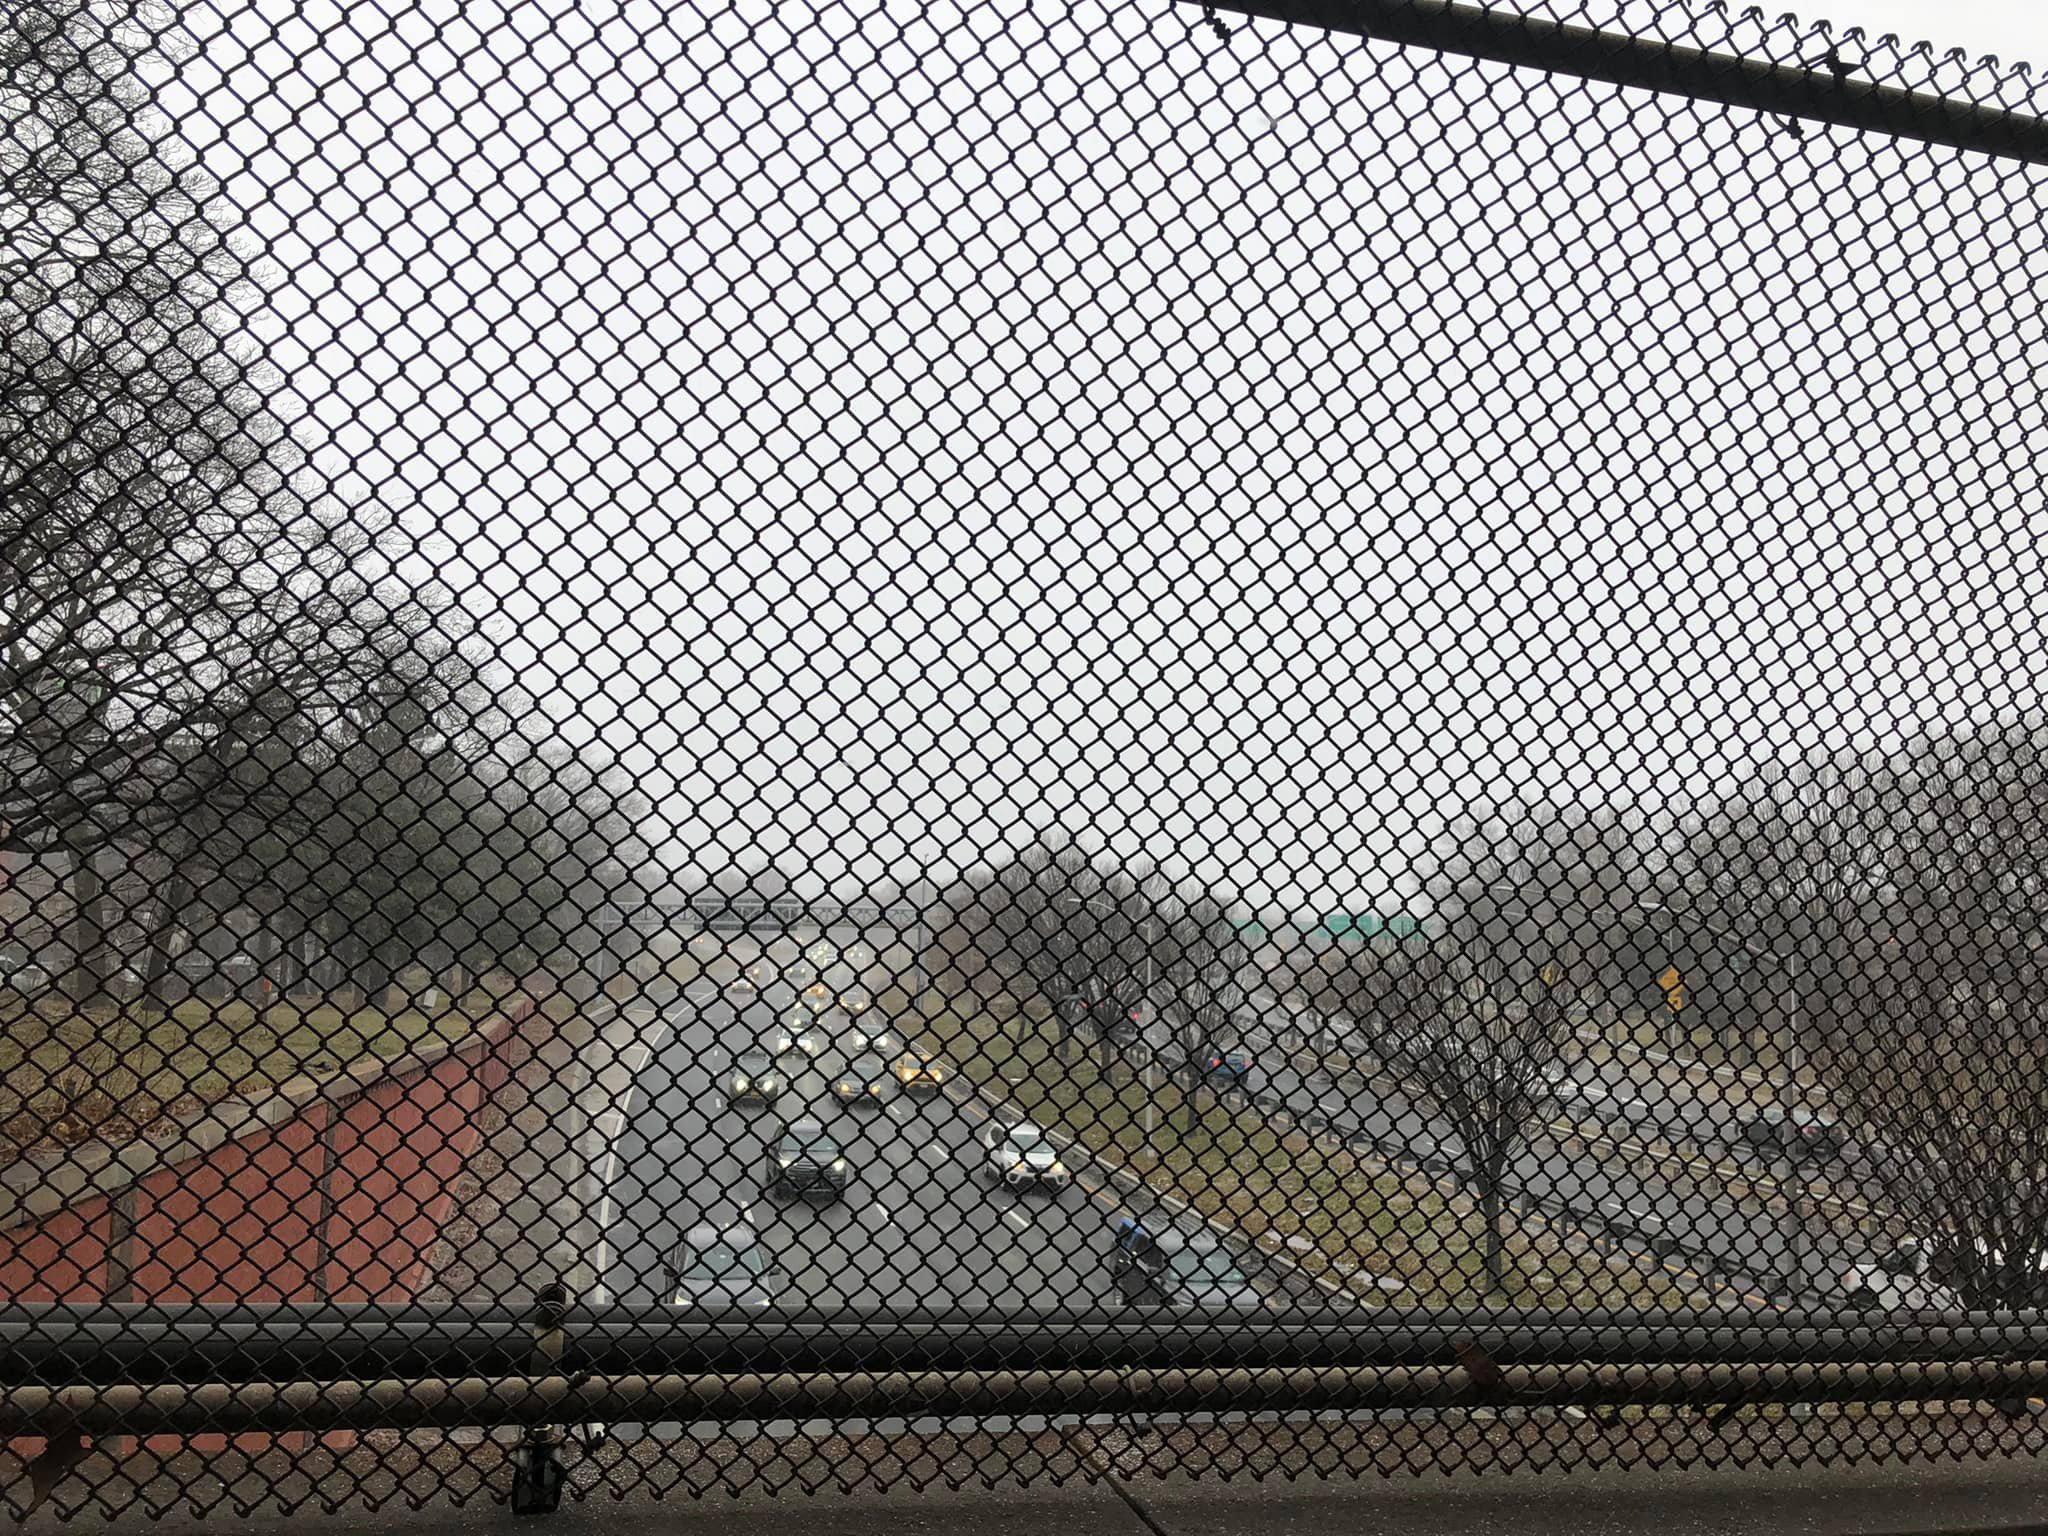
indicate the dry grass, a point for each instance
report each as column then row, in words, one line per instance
column 69, row 1072
column 1338, row 1212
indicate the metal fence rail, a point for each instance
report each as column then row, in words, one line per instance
column 739, row 733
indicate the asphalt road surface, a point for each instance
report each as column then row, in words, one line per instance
column 919, row 1227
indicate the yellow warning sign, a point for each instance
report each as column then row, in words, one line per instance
column 1674, row 989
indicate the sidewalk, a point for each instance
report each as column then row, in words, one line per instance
column 1925, row 1497
column 528, row 1208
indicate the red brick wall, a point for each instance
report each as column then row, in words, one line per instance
column 240, row 1224
column 397, row 1150
column 243, row 1222
column 60, row 1258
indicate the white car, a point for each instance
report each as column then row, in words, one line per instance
column 1915, row 1274
column 1898, row 1281
column 1019, row 1155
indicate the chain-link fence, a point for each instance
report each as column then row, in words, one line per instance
column 813, row 745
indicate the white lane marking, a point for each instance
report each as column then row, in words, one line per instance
column 604, row 1211
column 935, row 1152
column 1017, row 1219
column 899, row 1119
column 613, row 1124
column 883, row 1211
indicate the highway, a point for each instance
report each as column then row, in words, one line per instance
column 1606, row 1184
column 920, row 1227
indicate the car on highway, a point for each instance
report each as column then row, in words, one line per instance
column 1798, row 1130
column 855, row 1001
column 846, row 1032
column 817, row 997
column 918, row 1073
column 1020, row 1156
column 1923, row 1273
column 863, row 1082
column 717, row 1270
column 1186, row 1272
column 754, row 1078
column 741, row 991
column 812, row 1037
column 1224, row 1068
column 806, row 1161
column 777, row 1040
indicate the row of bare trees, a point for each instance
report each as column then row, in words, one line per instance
column 209, row 664
column 1098, row 939
column 1883, row 913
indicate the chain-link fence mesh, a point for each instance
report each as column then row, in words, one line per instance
column 805, row 745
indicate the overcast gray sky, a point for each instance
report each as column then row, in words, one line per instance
column 890, row 428
column 2012, row 30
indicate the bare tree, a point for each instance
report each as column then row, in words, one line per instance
column 1477, row 1043
column 1953, row 1087
column 1543, row 883
column 1908, row 889
column 149, row 500
column 1204, row 964
column 1095, row 937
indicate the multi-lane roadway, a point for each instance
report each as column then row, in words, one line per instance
column 920, row 1226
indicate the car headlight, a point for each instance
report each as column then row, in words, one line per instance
column 839, row 1165
column 1020, row 1168
column 1058, row 1168
column 739, row 1085
column 785, row 1162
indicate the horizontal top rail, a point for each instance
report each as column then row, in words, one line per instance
column 1819, row 94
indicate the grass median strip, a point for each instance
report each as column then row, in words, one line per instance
column 1347, row 1215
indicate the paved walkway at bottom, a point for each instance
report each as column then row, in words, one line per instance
column 2003, row 1496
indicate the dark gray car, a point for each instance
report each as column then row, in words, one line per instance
column 1798, row 1130
column 805, row 1161
column 722, row 1270
column 864, row 1082
column 754, row 1079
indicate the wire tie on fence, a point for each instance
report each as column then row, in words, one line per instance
column 1215, row 22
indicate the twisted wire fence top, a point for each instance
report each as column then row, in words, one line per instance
column 998, row 689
